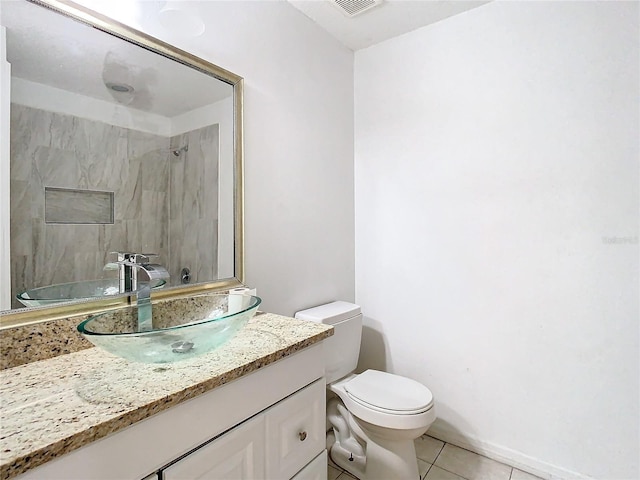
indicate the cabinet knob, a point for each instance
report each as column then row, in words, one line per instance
column 303, row 436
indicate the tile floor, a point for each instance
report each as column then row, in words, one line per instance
column 438, row 460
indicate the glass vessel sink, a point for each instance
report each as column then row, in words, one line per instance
column 182, row 328
column 65, row 292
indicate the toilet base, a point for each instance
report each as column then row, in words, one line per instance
column 345, row 459
column 369, row 452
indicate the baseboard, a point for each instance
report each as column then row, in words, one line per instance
column 504, row 455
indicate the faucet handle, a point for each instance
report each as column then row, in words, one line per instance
column 141, row 257
column 122, row 256
column 133, row 257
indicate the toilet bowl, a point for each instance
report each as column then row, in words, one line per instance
column 374, row 416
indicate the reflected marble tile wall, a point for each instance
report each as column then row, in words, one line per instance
column 193, row 223
column 58, row 150
column 163, row 203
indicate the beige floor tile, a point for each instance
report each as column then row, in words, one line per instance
column 423, row 467
column 470, row 465
column 449, row 463
column 333, row 473
column 520, row 475
column 436, row 473
column 347, row 476
column 331, row 462
column 428, row 448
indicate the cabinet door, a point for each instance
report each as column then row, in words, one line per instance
column 236, row 455
column 316, row 469
column 295, row 431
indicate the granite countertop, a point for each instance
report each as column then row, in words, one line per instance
column 52, row 407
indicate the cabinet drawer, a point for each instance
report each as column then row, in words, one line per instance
column 316, row 469
column 295, row 431
column 236, row 455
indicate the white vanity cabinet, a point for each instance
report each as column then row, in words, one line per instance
column 315, row 470
column 295, row 431
column 237, row 455
column 275, row 444
column 268, row 424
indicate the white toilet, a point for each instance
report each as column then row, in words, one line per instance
column 377, row 415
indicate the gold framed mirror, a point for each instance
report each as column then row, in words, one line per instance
column 162, row 173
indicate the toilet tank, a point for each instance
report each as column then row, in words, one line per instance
column 341, row 350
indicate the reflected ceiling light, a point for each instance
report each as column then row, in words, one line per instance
column 120, row 87
column 175, row 18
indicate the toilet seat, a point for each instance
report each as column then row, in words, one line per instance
column 388, row 411
column 389, row 393
column 371, row 410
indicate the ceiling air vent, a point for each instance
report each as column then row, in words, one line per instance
column 351, row 8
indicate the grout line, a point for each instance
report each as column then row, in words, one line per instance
column 431, row 464
column 454, row 473
column 428, row 470
column 441, row 449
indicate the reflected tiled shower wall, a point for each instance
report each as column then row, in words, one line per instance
column 57, row 150
column 193, row 205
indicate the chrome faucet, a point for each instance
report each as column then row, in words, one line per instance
column 130, row 267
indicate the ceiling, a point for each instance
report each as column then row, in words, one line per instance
column 388, row 20
column 50, row 49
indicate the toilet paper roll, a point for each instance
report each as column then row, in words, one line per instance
column 243, row 291
column 239, row 298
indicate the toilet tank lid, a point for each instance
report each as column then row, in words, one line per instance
column 330, row 313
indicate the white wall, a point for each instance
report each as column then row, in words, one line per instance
column 299, row 227
column 497, row 228
column 5, row 223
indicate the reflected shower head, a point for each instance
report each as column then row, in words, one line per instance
column 178, row 151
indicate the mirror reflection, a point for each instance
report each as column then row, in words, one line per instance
column 113, row 148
